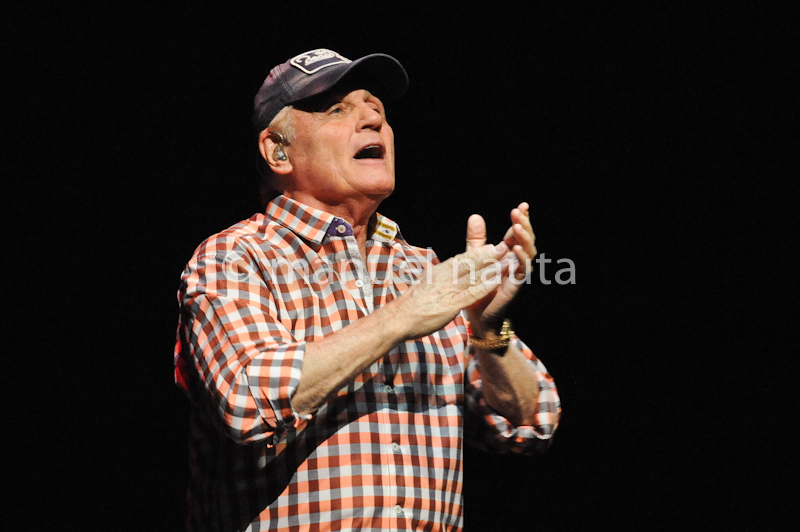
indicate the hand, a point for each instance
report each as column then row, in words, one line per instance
column 447, row 288
column 488, row 313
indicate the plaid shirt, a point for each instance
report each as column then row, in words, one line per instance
column 386, row 453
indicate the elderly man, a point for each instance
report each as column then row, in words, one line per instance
column 335, row 370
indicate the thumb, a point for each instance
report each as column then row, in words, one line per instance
column 476, row 231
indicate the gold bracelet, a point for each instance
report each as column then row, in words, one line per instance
column 495, row 343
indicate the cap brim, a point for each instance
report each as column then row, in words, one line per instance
column 382, row 71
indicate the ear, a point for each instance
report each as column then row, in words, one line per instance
column 267, row 143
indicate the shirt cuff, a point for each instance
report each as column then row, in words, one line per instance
column 273, row 378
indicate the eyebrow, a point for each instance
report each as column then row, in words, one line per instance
column 321, row 102
column 341, row 95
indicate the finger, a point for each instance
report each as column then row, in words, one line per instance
column 521, row 211
column 463, row 263
column 521, row 215
column 509, row 236
column 472, row 264
column 520, row 220
column 487, row 252
column 517, row 234
column 522, row 262
column 476, row 231
column 476, row 292
column 525, row 238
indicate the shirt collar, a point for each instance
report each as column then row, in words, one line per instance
column 314, row 225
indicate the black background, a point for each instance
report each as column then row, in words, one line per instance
column 652, row 143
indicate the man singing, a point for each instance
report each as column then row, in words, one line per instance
column 335, row 370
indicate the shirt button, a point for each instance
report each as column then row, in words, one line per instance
column 398, row 510
column 388, row 389
column 395, row 446
column 359, row 283
column 341, row 229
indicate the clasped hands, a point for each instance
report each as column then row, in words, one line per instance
column 484, row 279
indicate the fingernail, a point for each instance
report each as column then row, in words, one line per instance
column 501, row 247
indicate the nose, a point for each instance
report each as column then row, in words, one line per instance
column 369, row 118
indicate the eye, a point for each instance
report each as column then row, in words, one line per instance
column 336, row 109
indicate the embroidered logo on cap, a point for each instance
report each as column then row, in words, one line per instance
column 316, row 60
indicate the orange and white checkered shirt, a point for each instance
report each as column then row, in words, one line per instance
column 386, row 453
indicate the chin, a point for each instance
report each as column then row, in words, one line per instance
column 381, row 194
column 381, row 186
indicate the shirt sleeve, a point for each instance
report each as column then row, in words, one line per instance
column 233, row 356
column 485, row 428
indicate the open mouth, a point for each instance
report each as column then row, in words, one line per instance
column 373, row 151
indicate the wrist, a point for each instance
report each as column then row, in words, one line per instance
column 490, row 337
column 485, row 327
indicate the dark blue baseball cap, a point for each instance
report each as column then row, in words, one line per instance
column 316, row 71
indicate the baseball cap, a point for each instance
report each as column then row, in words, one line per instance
column 316, row 71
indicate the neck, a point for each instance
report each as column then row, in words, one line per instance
column 360, row 214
